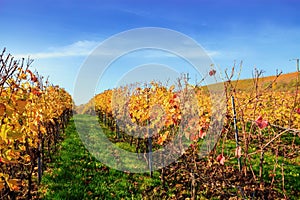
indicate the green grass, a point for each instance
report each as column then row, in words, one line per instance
column 76, row 174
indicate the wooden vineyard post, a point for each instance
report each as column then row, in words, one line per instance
column 163, row 169
column 40, row 157
column 117, row 130
column 150, row 151
column 236, row 131
column 104, row 118
column 39, row 165
column 149, row 134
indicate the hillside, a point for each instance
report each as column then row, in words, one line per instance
column 283, row 82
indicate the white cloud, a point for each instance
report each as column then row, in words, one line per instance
column 191, row 53
column 79, row 48
column 85, row 48
column 213, row 53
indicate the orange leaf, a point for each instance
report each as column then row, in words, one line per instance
column 162, row 138
column 2, row 109
column 21, row 104
column 13, row 184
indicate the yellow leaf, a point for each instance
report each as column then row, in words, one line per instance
column 14, row 184
column 15, row 135
column 172, row 88
column 7, row 155
column 52, row 121
column 43, row 129
column 27, row 158
column 22, row 147
column 3, row 132
column 23, row 76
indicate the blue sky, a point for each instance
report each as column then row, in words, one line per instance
column 59, row 35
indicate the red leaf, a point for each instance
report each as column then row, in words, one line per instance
column 36, row 92
column 34, row 78
column 193, row 146
column 202, row 134
column 221, row 159
column 212, row 72
column 261, row 123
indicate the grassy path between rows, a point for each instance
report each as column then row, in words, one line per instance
column 75, row 174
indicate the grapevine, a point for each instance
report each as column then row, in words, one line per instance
column 32, row 114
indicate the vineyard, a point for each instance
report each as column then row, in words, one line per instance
column 255, row 155
column 33, row 114
column 235, row 140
